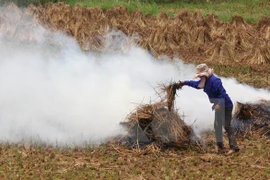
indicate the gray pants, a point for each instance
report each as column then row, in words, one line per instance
column 223, row 118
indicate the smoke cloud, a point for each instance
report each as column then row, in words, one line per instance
column 52, row 91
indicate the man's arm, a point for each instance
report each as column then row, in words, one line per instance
column 193, row 84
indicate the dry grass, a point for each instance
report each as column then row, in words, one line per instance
column 253, row 118
column 114, row 161
column 157, row 123
column 170, row 94
column 191, row 36
column 229, row 46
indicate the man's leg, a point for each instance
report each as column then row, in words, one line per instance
column 218, row 128
column 229, row 129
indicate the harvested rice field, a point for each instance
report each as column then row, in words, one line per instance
column 190, row 36
column 114, row 161
column 69, row 74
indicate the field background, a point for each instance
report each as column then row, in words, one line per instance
column 251, row 11
column 114, row 161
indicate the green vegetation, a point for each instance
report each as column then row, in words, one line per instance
column 251, row 11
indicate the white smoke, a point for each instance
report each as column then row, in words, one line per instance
column 52, row 91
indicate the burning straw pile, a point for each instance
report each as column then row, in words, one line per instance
column 156, row 123
column 252, row 119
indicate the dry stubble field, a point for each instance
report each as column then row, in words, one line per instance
column 235, row 49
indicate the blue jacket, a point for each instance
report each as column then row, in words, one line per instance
column 215, row 91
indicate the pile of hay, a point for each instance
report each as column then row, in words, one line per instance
column 193, row 37
column 252, row 118
column 156, row 123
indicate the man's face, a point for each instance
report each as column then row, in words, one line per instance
column 198, row 70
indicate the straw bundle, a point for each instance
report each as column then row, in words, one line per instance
column 263, row 24
column 252, row 118
column 170, row 91
column 158, row 122
column 191, row 36
column 155, row 123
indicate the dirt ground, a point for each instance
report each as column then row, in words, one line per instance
column 114, row 161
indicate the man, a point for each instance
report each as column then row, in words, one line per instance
column 223, row 105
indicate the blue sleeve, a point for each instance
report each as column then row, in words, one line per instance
column 193, row 84
column 219, row 90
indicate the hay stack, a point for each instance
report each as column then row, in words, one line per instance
column 16, row 24
column 158, row 122
column 191, row 36
column 252, row 118
column 155, row 123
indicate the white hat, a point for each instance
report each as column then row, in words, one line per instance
column 203, row 70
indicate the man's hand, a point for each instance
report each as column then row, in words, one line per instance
column 217, row 107
column 179, row 84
